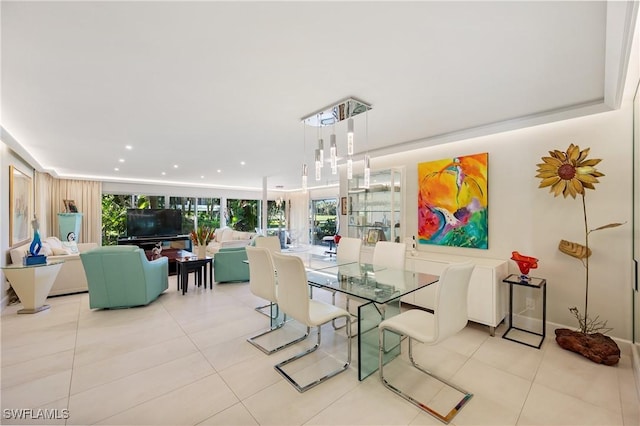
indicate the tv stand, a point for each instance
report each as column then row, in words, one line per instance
column 147, row 243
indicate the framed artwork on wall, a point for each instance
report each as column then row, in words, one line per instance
column 453, row 202
column 343, row 205
column 19, row 206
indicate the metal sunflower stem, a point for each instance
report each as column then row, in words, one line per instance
column 586, row 264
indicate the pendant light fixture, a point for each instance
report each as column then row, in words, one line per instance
column 305, row 175
column 305, row 172
column 343, row 110
column 367, row 160
column 318, row 165
column 321, row 146
column 333, row 149
column 350, row 136
column 350, row 148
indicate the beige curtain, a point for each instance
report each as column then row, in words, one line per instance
column 299, row 217
column 50, row 193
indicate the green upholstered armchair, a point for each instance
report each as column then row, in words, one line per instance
column 121, row 276
column 228, row 265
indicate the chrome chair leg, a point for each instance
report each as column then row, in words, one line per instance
column 269, row 305
column 253, row 340
column 301, row 388
column 445, row 418
column 354, row 317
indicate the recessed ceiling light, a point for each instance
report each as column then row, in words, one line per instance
column 242, row 163
column 202, row 177
column 175, row 166
column 116, row 169
column 219, row 171
column 121, row 160
column 129, row 147
column 164, row 173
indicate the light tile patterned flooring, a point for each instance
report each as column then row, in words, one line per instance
column 184, row 360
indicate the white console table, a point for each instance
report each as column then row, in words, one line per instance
column 488, row 295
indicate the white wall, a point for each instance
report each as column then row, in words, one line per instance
column 178, row 191
column 7, row 158
column 531, row 221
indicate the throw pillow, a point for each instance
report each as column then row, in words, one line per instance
column 70, row 246
column 53, row 242
column 45, row 249
column 59, row 251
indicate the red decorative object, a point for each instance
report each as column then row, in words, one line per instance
column 525, row 263
column 336, row 238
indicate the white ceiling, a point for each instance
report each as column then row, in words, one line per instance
column 206, row 85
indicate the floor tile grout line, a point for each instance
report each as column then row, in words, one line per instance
column 73, row 360
column 126, row 353
column 146, row 369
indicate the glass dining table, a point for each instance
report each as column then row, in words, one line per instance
column 378, row 288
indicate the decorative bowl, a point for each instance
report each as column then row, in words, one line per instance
column 525, row 263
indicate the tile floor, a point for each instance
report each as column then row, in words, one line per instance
column 184, row 360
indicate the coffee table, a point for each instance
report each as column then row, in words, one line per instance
column 186, row 264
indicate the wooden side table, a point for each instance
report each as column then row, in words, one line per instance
column 539, row 283
column 32, row 284
column 193, row 263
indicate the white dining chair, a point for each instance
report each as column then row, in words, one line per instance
column 449, row 318
column 271, row 242
column 293, row 299
column 389, row 254
column 262, row 283
column 348, row 250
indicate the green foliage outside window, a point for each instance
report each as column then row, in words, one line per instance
column 114, row 217
column 242, row 215
column 276, row 215
column 209, row 212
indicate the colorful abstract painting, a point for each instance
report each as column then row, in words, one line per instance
column 453, row 202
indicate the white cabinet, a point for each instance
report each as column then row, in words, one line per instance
column 487, row 299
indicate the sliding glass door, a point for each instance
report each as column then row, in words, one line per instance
column 323, row 219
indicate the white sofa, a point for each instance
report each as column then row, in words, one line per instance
column 227, row 237
column 71, row 278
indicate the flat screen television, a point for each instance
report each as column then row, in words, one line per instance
column 154, row 222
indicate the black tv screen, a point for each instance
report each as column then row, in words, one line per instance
column 153, row 222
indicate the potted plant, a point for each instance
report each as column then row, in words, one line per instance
column 570, row 173
column 200, row 237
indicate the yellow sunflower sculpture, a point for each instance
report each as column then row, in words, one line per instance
column 568, row 173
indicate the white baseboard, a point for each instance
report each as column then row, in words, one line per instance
column 528, row 323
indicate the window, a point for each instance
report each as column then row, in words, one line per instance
column 242, row 215
column 208, row 212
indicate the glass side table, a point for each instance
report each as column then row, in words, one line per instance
column 32, row 284
column 539, row 283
